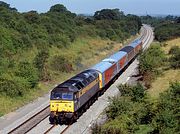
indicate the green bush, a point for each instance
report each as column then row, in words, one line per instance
column 175, row 57
column 150, row 63
column 28, row 72
column 127, row 116
column 136, row 93
column 62, row 64
column 174, row 50
column 13, row 86
column 118, row 106
column 167, row 31
column 40, row 63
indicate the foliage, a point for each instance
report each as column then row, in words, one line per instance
column 148, row 116
column 5, row 5
column 58, row 8
column 149, row 63
column 40, row 62
column 136, row 93
column 174, row 50
column 109, row 14
column 175, row 57
column 167, row 31
column 57, row 28
column 165, row 27
column 13, row 86
column 62, row 64
column 28, row 72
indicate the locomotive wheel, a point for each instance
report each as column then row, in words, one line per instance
column 98, row 94
column 52, row 120
column 90, row 102
column 76, row 116
column 94, row 98
column 102, row 92
column 59, row 120
column 86, row 106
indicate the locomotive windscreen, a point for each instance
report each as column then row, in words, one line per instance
column 61, row 96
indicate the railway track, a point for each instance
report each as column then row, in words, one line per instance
column 33, row 121
column 50, row 129
column 65, row 129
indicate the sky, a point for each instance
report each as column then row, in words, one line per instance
column 139, row 7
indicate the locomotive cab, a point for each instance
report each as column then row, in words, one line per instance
column 68, row 99
column 62, row 101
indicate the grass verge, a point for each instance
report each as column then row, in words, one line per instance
column 163, row 82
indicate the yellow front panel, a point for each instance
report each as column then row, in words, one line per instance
column 100, row 81
column 61, row 106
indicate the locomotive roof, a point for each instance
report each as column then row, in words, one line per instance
column 77, row 82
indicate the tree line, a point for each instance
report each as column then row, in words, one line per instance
column 165, row 27
column 59, row 28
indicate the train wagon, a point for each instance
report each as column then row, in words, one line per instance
column 130, row 51
column 137, row 45
column 107, row 70
column 120, row 58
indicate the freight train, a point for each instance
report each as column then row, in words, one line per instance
column 71, row 98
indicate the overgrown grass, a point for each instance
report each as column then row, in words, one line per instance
column 163, row 82
column 8, row 104
column 168, row 76
column 169, row 44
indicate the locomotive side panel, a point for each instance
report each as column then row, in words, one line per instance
column 88, row 92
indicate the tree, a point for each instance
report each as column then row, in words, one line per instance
column 60, row 63
column 28, row 72
column 178, row 20
column 13, row 86
column 149, row 63
column 109, row 14
column 40, row 62
column 7, row 6
column 32, row 17
column 58, row 8
column 175, row 57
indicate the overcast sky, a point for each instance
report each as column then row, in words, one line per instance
column 90, row 6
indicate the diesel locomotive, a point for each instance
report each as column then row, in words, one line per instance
column 71, row 98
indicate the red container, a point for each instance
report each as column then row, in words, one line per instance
column 122, row 61
column 110, row 73
column 138, row 48
column 131, row 55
